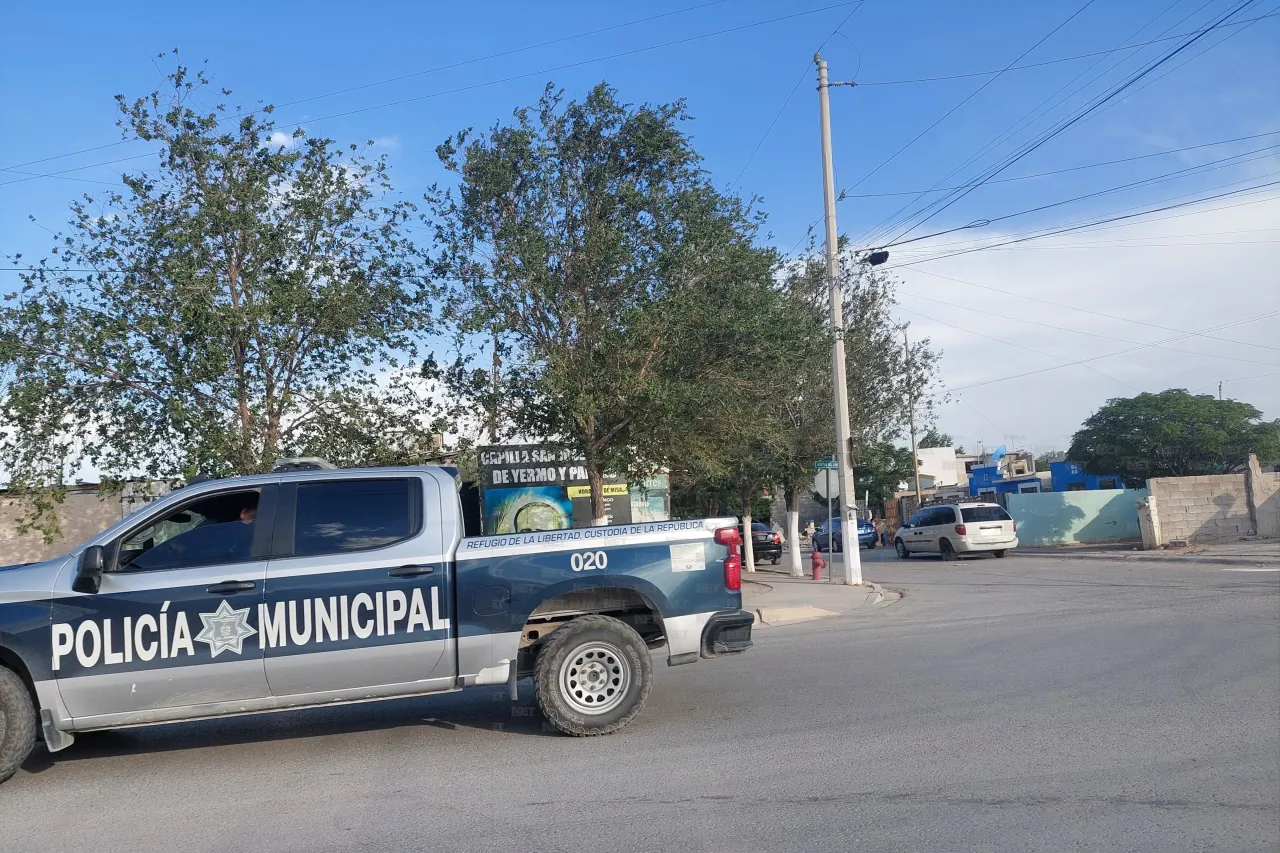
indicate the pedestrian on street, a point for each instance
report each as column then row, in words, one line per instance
column 882, row 530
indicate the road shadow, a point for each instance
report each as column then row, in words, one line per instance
column 473, row 708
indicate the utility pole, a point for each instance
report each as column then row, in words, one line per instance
column 848, row 496
column 911, row 415
column 1219, row 389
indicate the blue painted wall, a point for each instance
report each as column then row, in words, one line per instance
column 1068, row 474
column 1063, row 518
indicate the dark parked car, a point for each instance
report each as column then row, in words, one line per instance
column 765, row 544
column 866, row 535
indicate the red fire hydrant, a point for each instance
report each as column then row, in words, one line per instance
column 818, row 564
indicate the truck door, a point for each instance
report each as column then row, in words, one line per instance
column 173, row 621
column 358, row 595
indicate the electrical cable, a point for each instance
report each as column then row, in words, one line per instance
column 1242, row 23
column 1042, row 109
column 844, row 195
column 437, row 69
column 566, row 66
column 803, row 74
column 971, row 95
column 1066, row 124
column 1119, row 352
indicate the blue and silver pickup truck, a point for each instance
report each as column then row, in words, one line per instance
column 290, row 590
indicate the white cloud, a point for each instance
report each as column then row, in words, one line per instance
column 1188, row 273
column 386, row 143
column 282, row 139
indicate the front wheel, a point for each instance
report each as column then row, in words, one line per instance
column 900, row 547
column 17, row 723
column 593, row 676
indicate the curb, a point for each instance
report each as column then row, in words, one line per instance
column 1169, row 559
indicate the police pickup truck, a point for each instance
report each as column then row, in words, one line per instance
column 289, row 590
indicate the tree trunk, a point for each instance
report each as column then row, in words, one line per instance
column 793, row 532
column 596, row 478
column 748, row 551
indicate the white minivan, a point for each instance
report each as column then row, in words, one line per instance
column 956, row 529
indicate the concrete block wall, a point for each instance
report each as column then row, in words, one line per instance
column 1209, row 508
column 85, row 513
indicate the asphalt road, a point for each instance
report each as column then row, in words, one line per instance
column 1021, row 704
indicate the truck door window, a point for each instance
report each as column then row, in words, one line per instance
column 211, row 530
column 352, row 515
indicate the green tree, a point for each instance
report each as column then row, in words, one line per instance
column 1172, row 434
column 246, row 299
column 933, row 438
column 883, row 469
column 623, row 288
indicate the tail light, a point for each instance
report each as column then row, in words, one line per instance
column 733, row 563
column 777, row 540
column 961, row 529
column 1015, row 527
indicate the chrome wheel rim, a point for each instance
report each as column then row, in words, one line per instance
column 594, row 678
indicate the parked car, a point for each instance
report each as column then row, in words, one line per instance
column 823, row 540
column 867, row 536
column 765, row 544
column 953, row 530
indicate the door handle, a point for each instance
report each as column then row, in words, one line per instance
column 229, row 587
column 411, row 571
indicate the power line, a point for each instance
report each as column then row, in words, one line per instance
column 971, row 95
column 437, row 69
column 529, row 74
column 1242, row 23
column 1032, row 115
column 1093, row 312
column 1120, row 352
column 844, row 195
column 1112, row 338
column 1016, row 346
column 1079, row 227
column 1066, row 124
column 803, row 74
column 1190, row 170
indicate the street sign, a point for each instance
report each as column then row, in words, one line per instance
column 827, row 485
column 828, row 464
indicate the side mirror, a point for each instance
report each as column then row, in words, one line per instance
column 89, row 572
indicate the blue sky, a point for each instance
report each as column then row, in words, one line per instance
column 58, row 83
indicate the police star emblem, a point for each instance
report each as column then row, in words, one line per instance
column 225, row 629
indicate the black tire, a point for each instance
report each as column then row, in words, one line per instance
column 947, row 550
column 776, row 560
column 901, row 548
column 17, row 723
column 615, row 650
column 1001, row 553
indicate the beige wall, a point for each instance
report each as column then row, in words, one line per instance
column 83, row 514
column 1215, row 508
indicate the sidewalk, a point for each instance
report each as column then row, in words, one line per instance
column 1254, row 553
column 779, row 599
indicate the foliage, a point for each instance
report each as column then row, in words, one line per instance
column 1172, row 434
column 933, row 438
column 624, row 292
column 1044, row 460
column 883, row 468
column 249, row 298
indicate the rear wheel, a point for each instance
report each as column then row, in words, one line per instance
column 901, row 548
column 947, row 550
column 593, row 676
column 1000, row 553
column 17, row 723
column 776, row 560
